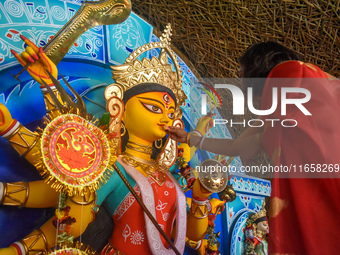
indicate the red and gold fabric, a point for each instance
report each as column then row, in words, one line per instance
column 304, row 209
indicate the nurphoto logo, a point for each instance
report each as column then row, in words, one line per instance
column 238, row 98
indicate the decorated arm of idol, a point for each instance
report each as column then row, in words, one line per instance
column 197, row 221
column 44, row 238
column 26, row 142
column 23, row 194
column 29, row 194
column 199, row 210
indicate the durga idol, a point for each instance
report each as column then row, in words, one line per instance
column 85, row 162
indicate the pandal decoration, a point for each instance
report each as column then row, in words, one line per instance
column 251, row 235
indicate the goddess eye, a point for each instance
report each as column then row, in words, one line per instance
column 153, row 108
column 171, row 115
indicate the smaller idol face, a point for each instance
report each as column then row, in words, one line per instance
column 263, row 226
column 146, row 115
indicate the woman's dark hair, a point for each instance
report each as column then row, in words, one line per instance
column 144, row 88
column 259, row 59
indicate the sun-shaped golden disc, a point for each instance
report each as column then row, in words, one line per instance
column 75, row 154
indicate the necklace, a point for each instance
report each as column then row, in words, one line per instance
column 151, row 168
column 139, row 147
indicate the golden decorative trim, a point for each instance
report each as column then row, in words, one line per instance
column 67, row 180
column 151, row 168
column 49, row 101
column 139, row 147
column 158, row 146
column 261, row 213
column 4, row 192
column 259, row 141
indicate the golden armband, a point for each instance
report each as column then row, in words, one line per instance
column 14, row 194
column 50, row 106
column 22, row 139
column 34, row 243
column 199, row 208
column 195, row 245
column 87, row 199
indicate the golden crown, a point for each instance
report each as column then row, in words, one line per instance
column 261, row 213
column 134, row 72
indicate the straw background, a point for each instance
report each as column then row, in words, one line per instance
column 211, row 35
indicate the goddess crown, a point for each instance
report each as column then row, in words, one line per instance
column 134, row 72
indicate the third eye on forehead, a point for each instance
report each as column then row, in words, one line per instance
column 165, row 101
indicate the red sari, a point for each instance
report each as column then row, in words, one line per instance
column 304, row 211
column 134, row 233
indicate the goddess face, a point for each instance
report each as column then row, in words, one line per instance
column 146, row 115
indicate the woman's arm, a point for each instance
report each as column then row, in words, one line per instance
column 248, row 145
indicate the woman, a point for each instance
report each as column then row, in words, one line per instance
column 145, row 98
column 313, row 143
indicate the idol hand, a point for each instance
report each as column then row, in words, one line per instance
column 6, row 119
column 205, row 123
column 199, row 191
column 39, row 62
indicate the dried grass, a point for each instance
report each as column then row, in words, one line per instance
column 213, row 34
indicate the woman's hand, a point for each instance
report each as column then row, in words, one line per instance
column 39, row 62
column 180, row 135
column 176, row 133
